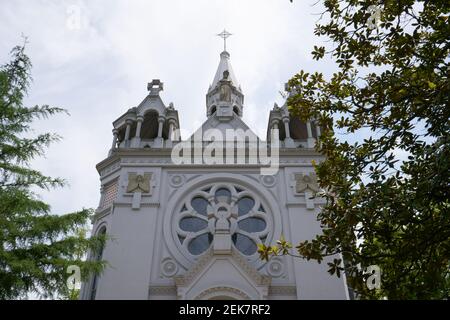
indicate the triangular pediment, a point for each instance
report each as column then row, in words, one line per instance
column 237, row 275
column 151, row 102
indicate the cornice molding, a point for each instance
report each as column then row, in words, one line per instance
column 283, row 290
column 162, row 290
column 165, row 153
column 143, row 204
column 101, row 213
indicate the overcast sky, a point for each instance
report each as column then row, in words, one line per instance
column 94, row 58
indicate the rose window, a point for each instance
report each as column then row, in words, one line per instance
column 222, row 208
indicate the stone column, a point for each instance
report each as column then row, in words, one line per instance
column 317, row 130
column 274, row 126
column 310, row 139
column 172, row 125
column 129, row 122
column 171, row 128
column 308, row 129
column 115, row 137
column 288, row 142
column 137, row 137
column 138, row 126
column 161, row 120
column 102, row 197
column 286, row 127
column 159, row 142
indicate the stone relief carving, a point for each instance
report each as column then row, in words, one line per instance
column 304, row 182
column 139, row 182
column 137, row 185
column 225, row 88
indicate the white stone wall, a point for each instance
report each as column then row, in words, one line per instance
column 145, row 263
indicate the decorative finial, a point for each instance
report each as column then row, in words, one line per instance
column 155, row 87
column 224, row 35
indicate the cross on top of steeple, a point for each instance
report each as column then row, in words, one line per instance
column 224, row 35
column 155, row 87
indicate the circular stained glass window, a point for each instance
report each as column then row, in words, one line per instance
column 235, row 207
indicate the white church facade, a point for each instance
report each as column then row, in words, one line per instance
column 184, row 227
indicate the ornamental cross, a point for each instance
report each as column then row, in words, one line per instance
column 224, row 35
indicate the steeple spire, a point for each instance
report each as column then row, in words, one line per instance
column 224, row 65
column 224, row 98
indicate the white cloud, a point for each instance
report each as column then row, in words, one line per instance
column 100, row 70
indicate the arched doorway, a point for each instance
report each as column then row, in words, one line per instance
column 222, row 293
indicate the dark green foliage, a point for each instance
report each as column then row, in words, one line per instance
column 387, row 195
column 36, row 246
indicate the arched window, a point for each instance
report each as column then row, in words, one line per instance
column 297, row 129
column 150, row 125
column 97, row 256
column 314, row 129
column 236, row 110
column 165, row 132
column 213, row 110
column 121, row 135
column 282, row 131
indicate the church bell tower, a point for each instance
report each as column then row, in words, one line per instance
column 224, row 98
column 191, row 230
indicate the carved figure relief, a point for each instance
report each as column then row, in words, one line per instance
column 304, row 182
column 225, row 88
column 139, row 182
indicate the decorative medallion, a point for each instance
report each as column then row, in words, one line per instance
column 169, row 267
column 176, row 180
column 268, row 181
column 275, row 267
